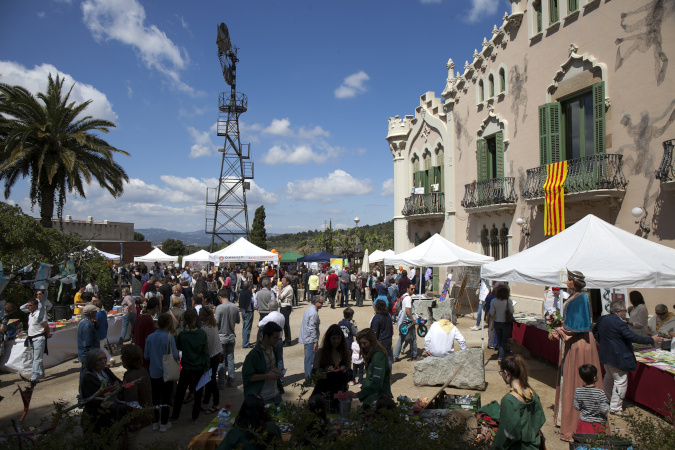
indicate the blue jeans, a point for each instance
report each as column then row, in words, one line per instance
column 503, row 330
column 228, row 351
column 279, row 352
column 399, row 344
column 344, row 301
column 37, row 349
column 247, row 322
column 309, row 359
column 126, row 320
column 480, row 311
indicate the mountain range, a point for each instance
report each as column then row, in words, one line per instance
column 159, row 235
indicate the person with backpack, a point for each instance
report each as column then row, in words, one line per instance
column 406, row 313
column 348, row 325
column 392, row 294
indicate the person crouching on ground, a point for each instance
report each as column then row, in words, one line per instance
column 440, row 340
column 252, row 423
column 520, row 414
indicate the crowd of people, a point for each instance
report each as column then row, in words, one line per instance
column 188, row 317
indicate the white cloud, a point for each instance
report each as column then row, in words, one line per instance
column 338, row 182
column 41, row 14
column 35, row 80
column 124, row 21
column 388, row 188
column 202, row 144
column 312, row 133
column 196, row 111
column 301, row 154
column 352, row 85
column 481, row 9
column 279, row 127
column 431, row 1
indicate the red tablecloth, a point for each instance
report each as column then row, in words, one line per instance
column 537, row 342
column 647, row 386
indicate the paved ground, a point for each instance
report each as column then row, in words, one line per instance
column 61, row 382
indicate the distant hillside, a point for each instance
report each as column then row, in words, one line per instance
column 293, row 241
column 197, row 238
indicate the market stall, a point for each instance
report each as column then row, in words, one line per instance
column 243, row 251
column 655, row 367
column 197, row 259
column 62, row 345
column 324, row 257
column 156, row 255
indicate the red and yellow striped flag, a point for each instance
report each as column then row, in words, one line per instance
column 554, row 209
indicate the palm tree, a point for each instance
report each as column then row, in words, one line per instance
column 44, row 139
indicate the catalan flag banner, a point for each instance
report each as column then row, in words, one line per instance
column 554, row 210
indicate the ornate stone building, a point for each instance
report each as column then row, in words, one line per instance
column 586, row 81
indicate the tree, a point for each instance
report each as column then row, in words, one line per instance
column 45, row 138
column 173, row 247
column 258, row 232
column 138, row 236
column 24, row 241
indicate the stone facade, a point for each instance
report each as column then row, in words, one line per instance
column 592, row 87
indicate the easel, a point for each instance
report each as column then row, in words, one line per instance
column 462, row 293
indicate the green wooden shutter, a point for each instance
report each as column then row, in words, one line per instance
column 553, row 11
column 572, row 5
column 425, row 174
column 550, row 150
column 416, row 179
column 499, row 139
column 599, row 118
column 481, row 154
column 435, row 282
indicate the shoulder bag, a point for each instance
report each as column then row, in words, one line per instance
column 171, row 370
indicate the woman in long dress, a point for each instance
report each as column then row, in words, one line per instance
column 579, row 348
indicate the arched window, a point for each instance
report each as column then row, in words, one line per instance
column 481, row 91
column 491, row 85
column 502, row 80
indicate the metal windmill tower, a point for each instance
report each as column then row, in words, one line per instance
column 226, row 211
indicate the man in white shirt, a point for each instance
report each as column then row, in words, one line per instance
column 553, row 299
column 92, row 288
column 441, row 337
column 36, row 342
column 406, row 313
column 286, row 304
column 41, row 299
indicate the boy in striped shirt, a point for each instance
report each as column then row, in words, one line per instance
column 592, row 402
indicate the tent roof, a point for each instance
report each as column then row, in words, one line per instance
column 106, row 255
column 608, row 256
column 200, row 256
column 379, row 255
column 243, row 251
column 156, row 255
column 437, row 252
column 318, row 257
column 289, row 257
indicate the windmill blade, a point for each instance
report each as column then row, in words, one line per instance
column 223, row 39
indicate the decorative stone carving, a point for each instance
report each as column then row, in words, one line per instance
column 433, row 371
column 573, row 49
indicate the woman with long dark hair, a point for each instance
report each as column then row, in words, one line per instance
column 209, row 326
column 252, row 418
column 500, row 308
column 378, row 373
column 521, row 415
column 638, row 314
column 334, row 360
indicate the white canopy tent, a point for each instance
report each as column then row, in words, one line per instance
column 202, row 256
column 379, row 255
column 156, row 255
column 609, row 257
column 243, row 251
column 106, row 255
column 437, row 252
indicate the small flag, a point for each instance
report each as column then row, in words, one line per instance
column 554, row 210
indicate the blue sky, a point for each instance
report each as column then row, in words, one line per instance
column 322, row 78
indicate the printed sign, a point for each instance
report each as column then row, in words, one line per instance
column 446, row 287
column 336, row 263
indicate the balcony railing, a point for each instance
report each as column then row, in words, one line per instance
column 496, row 191
column 665, row 172
column 416, row 204
column 590, row 173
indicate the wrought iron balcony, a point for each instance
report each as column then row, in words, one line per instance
column 665, row 173
column 493, row 192
column 587, row 174
column 418, row 204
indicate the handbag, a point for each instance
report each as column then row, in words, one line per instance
column 171, row 370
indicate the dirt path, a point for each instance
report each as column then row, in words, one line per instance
column 61, row 382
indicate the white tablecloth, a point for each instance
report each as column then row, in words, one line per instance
column 62, row 347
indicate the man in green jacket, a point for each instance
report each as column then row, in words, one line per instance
column 260, row 372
